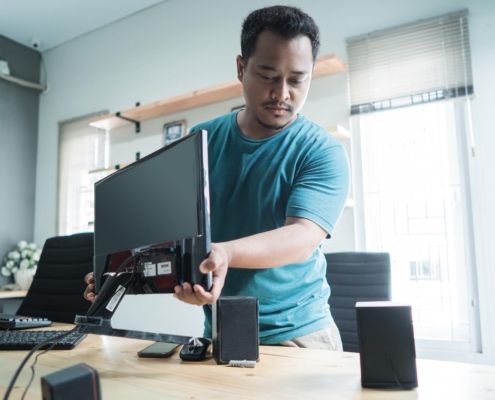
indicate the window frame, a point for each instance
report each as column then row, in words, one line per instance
column 60, row 125
column 438, row 349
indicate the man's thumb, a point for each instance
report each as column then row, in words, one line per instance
column 206, row 266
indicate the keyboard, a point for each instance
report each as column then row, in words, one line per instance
column 8, row 321
column 26, row 340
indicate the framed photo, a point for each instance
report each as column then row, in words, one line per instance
column 238, row 108
column 173, row 131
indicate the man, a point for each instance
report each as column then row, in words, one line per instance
column 278, row 184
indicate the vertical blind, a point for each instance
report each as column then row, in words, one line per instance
column 419, row 62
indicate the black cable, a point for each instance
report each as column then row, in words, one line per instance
column 35, row 348
column 56, row 338
column 107, row 284
column 127, row 261
column 393, row 372
column 32, row 368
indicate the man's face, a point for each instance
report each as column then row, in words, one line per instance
column 276, row 80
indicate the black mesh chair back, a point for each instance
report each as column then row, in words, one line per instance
column 355, row 277
column 58, row 285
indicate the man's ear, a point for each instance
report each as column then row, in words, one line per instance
column 240, row 67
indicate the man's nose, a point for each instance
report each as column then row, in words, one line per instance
column 280, row 91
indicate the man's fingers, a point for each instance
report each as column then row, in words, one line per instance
column 187, row 295
column 215, row 292
column 197, row 297
column 89, row 292
column 187, row 289
column 204, row 296
column 179, row 292
column 89, row 278
column 89, row 295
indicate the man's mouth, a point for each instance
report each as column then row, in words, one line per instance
column 276, row 110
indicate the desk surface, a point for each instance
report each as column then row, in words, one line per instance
column 282, row 373
column 12, row 294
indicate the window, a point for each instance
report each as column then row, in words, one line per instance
column 410, row 89
column 415, row 209
column 82, row 150
column 424, row 270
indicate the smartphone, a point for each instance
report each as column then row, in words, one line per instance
column 159, row 350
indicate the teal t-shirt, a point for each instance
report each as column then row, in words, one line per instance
column 301, row 171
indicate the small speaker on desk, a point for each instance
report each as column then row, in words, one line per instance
column 386, row 345
column 235, row 329
column 79, row 382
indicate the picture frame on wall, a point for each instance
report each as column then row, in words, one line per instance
column 173, row 131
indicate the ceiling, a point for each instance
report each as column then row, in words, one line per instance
column 54, row 22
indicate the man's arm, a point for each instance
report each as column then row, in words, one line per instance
column 292, row 243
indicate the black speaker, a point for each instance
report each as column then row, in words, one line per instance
column 235, row 329
column 79, row 382
column 386, row 345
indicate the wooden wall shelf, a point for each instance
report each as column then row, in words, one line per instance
column 12, row 294
column 339, row 132
column 111, row 168
column 325, row 65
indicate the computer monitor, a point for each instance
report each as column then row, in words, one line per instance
column 161, row 201
column 152, row 231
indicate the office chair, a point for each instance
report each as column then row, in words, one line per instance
column 58, row 285
column 355, row 277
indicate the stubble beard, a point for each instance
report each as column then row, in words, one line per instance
column 273, row 127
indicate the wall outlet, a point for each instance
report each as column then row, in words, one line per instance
column 4, row 68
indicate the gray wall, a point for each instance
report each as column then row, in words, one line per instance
column 18, row 146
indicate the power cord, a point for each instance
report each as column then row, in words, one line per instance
column 25, row 360
column 32, row 369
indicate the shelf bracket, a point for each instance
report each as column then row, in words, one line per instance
column 137, row 123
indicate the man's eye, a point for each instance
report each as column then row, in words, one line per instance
column 297, row 82
column 268, row 78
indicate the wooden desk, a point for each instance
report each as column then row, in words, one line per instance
column 282, row 373
column 10, row 300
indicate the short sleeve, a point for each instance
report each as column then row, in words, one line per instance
column 321, row 187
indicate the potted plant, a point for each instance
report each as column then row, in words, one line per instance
column 21, row 263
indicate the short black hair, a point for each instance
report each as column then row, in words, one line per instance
column 290, row 22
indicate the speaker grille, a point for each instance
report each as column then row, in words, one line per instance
column 236, row 324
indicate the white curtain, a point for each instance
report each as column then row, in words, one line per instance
column 82, row 150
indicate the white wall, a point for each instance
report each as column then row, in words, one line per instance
column 183, row 45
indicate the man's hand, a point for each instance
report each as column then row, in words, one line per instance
column 292, row 243
column 217, row 263
column 89, row 293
